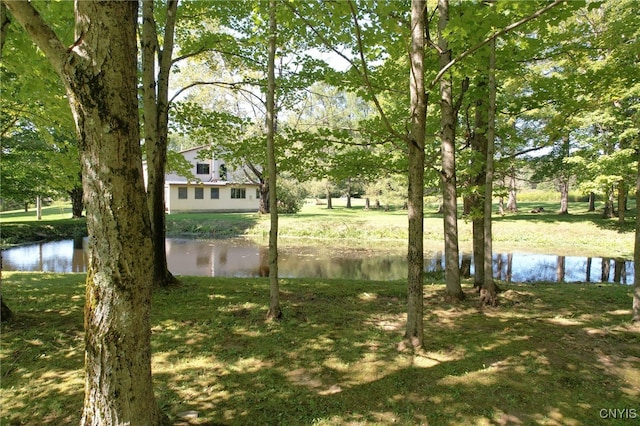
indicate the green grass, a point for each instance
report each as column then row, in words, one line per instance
column 549, row 354
column 20, row 227
column 581, row 233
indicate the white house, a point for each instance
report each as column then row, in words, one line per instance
column 212, row 187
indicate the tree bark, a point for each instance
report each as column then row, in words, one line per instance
column 622, row 201
column 561, row 268
column 564, row 177
column 512, row 202
column 564, row 196
column 5, row 313
column 100, row 74
column 609, row 210
column 264, row 197
column 414, row 333
column 274, row 311
column 448, row 172
column 488, row 292
column 592, row 202
column 479, row 145
column 155, row 94
column 77, row 203
column 636, row 258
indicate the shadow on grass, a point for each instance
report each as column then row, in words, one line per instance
column 549, row 354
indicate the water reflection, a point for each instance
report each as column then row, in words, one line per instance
column 244, row 258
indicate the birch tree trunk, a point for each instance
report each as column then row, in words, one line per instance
column 448, row 172
column 99, row 73
column 415, row 325
column 274, row 292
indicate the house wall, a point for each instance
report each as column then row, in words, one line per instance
column 192, row 157
column 224, row 203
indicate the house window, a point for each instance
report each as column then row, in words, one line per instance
column 215, row 193
column 202, row 168
column 199, row 193
column 258, row 193
column 182, row 193
column 223, row 172
column 238, row 193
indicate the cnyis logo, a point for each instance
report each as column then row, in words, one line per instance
column 619, row 413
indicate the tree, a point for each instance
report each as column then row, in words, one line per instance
column 448, row 173
column 99, row 74
column 636, row 272
column 414, row 332
column 155, row 94
column 488, row 287
column 274, row 311
column 37, row 126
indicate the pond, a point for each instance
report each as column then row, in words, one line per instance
column 245, row 258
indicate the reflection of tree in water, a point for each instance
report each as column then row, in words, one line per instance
column 248, row 259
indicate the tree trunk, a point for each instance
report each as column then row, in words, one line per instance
column 100, row 75
column 609, row 210
column 636, row 258
column 478, row 251
column 479, row 146
column 264, row 198
column 448, row 172
column 622, row 201
column 488, row 292
column 592, row 202
column 564, row 196
column 329, row 203
column 38, row 207
column 274, row 311
column 512, row 202
column 5, row 313
column 156, row 129
column 561, row 268
column 77, row 203
column 467, row 203
column 414, row 333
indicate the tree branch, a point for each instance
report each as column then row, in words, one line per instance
column 365, row 74
column 491, row 37
column 41, row 33
column 233, row 85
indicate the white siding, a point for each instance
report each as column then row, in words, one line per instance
column 223, row 203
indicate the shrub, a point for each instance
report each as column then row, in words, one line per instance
column 291, row 196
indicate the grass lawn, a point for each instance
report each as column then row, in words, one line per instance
column 581, row 233
column 549, row 354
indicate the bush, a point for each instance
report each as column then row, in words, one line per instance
column 291, row 196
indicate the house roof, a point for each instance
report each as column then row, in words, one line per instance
column 216, row 183
column 197, row 148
